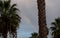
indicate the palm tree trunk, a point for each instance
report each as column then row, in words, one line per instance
column 42, row 19
column 55, row 36
column 5, row 35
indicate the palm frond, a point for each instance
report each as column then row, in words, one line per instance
column 56, row 28
column 54, row 32
column 53, row 28
column 9, row 18
column 1, row 5
column 57, row 20
column 13, row 5
column 53, row 23
column 6, row 5
column 15, row 9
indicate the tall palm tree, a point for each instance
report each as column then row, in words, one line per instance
column 9, row 18
column 42, row 19
column 56, row 28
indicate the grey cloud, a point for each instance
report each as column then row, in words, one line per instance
column 52, row 12
column 29, row 8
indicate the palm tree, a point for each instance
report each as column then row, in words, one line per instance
column 56, row 28
column 42, row 19
column 9, row 18
column 34, row 35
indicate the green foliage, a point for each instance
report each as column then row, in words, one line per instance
column 34, row 35
column 9, row 18
column 56, row 27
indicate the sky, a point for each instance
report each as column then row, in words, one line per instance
column 52, row 12
column 29, row 15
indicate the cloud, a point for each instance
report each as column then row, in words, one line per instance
column 29, row 14
column 53, row 9
column 52, row 12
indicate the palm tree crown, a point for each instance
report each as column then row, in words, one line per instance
column 56, row 28
column 34, row 35
column 9, row 18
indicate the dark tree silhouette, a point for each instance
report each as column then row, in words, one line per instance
column 9, row 18
column 34, row 35
column 42, row 19
column 56, row 28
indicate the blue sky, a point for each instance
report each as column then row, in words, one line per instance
column 29, row 15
